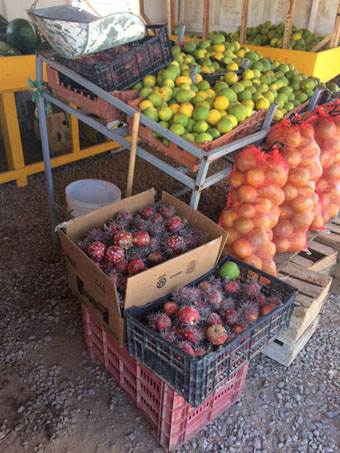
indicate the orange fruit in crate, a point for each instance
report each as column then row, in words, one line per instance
column 283, row 228
column 228, row 218
column 263, row 205
column 302, row 204
column 302, row 220
column 253, row 260
column 243, row 225
column 282, row 244
column 325, row 200
column 242, row 248
column 298, row 241
column 245, row 161
column 261, row 221
column 247, row 194
column 290, row 191
column 232, row 235
column 333, row 188
column 322, row 184
column 236, row 179
column 257, row 238
column 255, row 177
column 299, row 176
column 246, row 210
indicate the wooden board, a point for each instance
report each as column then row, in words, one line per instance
column 321, row 257
column 281, row 259
column 313, row 289
column 331, row 239
column 285, row 354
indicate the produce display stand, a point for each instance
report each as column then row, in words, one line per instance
column 194, row 184
column 15, row 70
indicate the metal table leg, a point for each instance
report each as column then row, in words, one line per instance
column 46, row 153
column 199, row 183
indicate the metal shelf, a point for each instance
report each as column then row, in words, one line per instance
column 195, row 185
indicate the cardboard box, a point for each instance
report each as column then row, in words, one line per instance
column 59, row 138
column 99, row 293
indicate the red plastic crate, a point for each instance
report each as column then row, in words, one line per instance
column 68, row 90
column 173, row 421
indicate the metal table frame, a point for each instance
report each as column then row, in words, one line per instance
column 196, row 186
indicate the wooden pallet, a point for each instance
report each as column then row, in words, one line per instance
column 321, row 258
column 285, row 353
column 313, row 289
column 331, row 239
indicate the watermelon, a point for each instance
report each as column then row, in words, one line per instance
column 7, row 51
column 21, row 34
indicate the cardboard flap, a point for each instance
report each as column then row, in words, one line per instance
column 197, row 220
column 79, row 226
column 175, row 273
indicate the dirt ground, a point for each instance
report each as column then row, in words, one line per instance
column 53, row 399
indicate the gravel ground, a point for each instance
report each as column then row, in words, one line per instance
column 54, row 399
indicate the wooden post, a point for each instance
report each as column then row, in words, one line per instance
column 142, row 12
column 170, row 14
column 11, row 134
column 289, row 24
column 206, row 19
column 336, row 31
column 74, row 131
column 322, row 43
column 244, row 21
column 133, row 149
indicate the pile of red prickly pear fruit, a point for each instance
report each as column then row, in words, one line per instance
column 200, row 318
column 129, row 244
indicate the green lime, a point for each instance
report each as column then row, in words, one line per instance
column 230, row 270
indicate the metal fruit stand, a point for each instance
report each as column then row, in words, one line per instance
column 194, row 184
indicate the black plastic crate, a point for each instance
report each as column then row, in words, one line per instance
column 194, row 378
column 144, row 57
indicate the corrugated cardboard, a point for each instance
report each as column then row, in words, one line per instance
column 99, row 293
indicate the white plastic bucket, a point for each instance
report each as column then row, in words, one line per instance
column 87, row 195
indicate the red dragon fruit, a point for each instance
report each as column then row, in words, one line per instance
column 216, row 334
column 157, row 219
column 175, row 224
column 232, row 288
column 251, row 288
column 141, row 239
column 204, row 286
column 250, row 311
column 167, row 211
column 96, row 250
column 136, row 266
column 230, row 316
column 188, row 316
column 239, row 328
column 123, row 218
column 124, row 239
column 170, row 308
column 122, row 267
column 155, row 258
column 186, row 347
column 213, row 318
column 162, row 321
column 147, row 212
column 192, row 334
column 175, row 244
column 214, row 298
column 113, row 229
column 114, row 254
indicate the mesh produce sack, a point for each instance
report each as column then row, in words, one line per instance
column 301, row 202
column 253, row 203
column 326, row 123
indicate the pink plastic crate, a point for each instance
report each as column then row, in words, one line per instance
column 173, row 421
